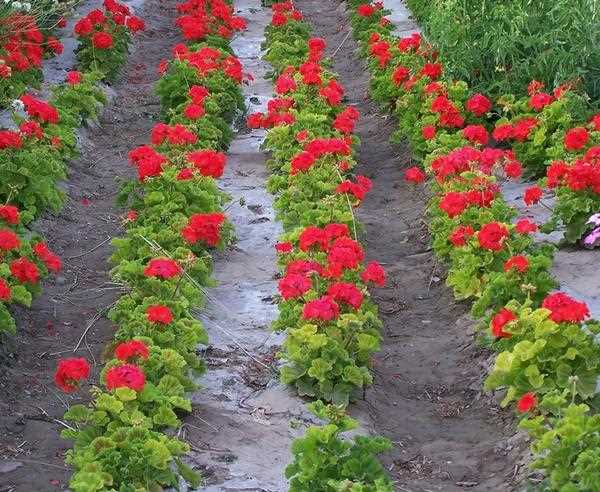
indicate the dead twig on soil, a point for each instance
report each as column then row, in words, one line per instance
column 90, row 251
column 341, row 44
column 90, row 324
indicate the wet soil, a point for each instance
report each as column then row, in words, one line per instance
column 73, row 303
column 240, row 429
column 427, row 392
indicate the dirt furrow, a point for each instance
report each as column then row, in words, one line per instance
column 240, row 427
column 427, row 391
column 31, row 451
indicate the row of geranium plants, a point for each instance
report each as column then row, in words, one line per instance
column 35, row 155
column 26, row 38
column 325, row 309
column 548, row 361
column 123, row 439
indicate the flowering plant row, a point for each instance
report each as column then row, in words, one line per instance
column 123, row 438
column 104, row 36
column 331, row 323
column 24, row 43
column 35, row 153
column 548, row 359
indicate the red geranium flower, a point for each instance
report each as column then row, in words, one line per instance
column 576, row 138
column 208, row 162
column 130, row 350
column 375, row 273
column 527, row 402
column 159, row 314
column 162, row 267
column 284, row 247
column 565, row 309
column 49, row 259
column 313, row 236
column 73, row 77
column 125, row 376
column 500, row 320
column 9, row 240
column 479, row 105
column 454, row 203
column 10, row 214
column 513, row 169
column 414, row 175
column 519, row 262
column 524, row 226
column 347, row 293
column 428, row 132
column 5, row 293
column 532, row 195
column 459, row 236
column 24, row 271
column 102, row 40
column 294, row 285
column 322, row 309
column 204, row 227
column 492, row 236
column 70, row 372
column 476, row 134
column 540, row 100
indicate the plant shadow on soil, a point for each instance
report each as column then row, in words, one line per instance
column 427, row 393
column 31, row 450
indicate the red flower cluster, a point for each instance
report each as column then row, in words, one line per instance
column 70, row 373
column 461, row 234
column 207, row 60
column 414, row 175
column 294, row 285
column 284, row 12
column 519, row 263
column 373, row 273
column 159, row 314
column 10, row 214
column 564, row 309
column 133, row 349
column 47, row 257
column 200, row 19
column 205, row 228
column 345, row 121
column 25, row 271
column 576, row 138
column 500, row 320
column 347, row 293
column 100, row 26
column 532, row 195
column 359, row 189
column 174, row 135
column 479, row 105
column 40, row 110
column 322, row 309
column 162, row 268
column 5, row 292
column 208, row 162
column 24, row 45
column 526, row 403
column 125, row 376
column 9, row 240
column 148, row 161
column 492, row 236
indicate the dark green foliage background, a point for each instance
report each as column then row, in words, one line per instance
column 499, row 46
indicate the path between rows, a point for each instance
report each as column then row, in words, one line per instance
column 427, row 391
column 240, row 426
column 31, row 450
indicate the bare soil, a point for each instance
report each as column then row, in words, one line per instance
column 428, row 376
column 31, row 451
